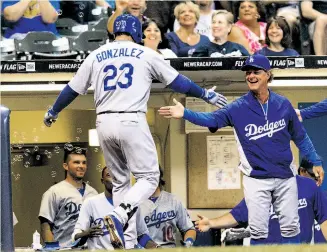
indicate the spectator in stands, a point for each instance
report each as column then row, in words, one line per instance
column 248, row 31
column 278, row 39
column 203, row 26
column 163, row 12
column 185, row 40
column 29, row 15
column 287, row 9
column 133, row 7
column 317, row 11
column 153, row 39
column 222, row 22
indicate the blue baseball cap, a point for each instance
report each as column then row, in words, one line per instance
column 256, row 61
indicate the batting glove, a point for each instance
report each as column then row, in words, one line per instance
column 235, row 234
column 187, row 243
column 214, row 98
column 50, row 117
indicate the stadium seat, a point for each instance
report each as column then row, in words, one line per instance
column 8, row 49
column 88, row 41
column 69, row 27
column 101, row 25
column 43, row 45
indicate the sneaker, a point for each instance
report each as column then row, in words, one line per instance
column 116, row 233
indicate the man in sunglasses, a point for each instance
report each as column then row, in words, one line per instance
column 61, row 203
column 264, row 124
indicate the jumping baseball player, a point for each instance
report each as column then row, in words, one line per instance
column 121, row 73
column 90, row 225
column 312, row 206
column 264, row 123
column 164, row 214
column 61, row 203
column 317, row 110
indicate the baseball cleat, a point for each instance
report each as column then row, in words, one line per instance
column 116, row 232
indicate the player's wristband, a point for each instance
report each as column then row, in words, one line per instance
column 143, row 239
column 189, row 239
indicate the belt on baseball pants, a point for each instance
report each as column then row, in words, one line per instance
column 118, row 112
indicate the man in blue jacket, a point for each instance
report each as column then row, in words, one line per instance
column 264, row 124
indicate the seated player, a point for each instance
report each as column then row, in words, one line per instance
column 164, row 214
column 90, row 226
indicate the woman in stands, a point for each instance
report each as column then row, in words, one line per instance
column 153, row 39
column 248, row 31
column 222, row 22
column 278, row 39
column 186, row 40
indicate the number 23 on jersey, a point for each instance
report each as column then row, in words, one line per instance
column 125, row 72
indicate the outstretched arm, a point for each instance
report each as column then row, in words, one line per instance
column 217, row 119
column 225, row 221
column 184, row 85
column 66, row 96
column 162, row 71
column 303, row 142
column 78, row 85
column 317, row 110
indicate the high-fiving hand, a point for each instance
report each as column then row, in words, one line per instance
column 319, row 174
column 176, row 111
column 203, row 224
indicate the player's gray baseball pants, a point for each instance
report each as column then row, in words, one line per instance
column 260, row 193
column 128, row 147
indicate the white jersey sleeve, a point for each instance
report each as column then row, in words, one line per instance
column 83, row 222
column 141, row 227
column 161, row 70
column 184, row 221
column 82, row 79
column 48, row 206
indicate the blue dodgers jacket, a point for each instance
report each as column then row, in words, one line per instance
column 263, row 137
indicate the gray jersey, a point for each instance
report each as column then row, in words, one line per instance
column 61, row 204
column 121, row 73
column 164, row 217
column 91, row 215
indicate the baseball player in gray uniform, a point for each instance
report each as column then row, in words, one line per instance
column 164, row 215
column 61, row 203
column 90, row 225
column 121, row 73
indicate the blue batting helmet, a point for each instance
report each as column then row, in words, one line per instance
column 129, row 24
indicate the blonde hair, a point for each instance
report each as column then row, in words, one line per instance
column 228, row 15
column 194, row 7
